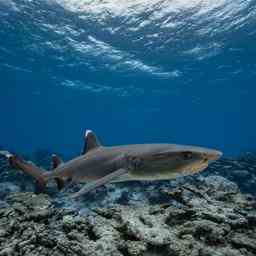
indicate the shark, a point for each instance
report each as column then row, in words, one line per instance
column 98, row 165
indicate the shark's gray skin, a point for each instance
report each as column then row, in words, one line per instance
column 99, row 165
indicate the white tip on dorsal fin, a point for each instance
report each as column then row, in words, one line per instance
column 87, row 132
column 90, row 142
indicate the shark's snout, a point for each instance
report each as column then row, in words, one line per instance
column 213, row 155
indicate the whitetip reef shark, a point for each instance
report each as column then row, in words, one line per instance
column 98, row 165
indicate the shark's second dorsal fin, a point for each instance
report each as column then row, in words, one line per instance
column 56, row 161
column 90, row 142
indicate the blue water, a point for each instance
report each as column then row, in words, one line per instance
column 133, row 71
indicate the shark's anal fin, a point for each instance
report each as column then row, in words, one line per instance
column 90, row 142
column 94, row 184
column 56, row 161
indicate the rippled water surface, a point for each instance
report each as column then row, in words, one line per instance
column 132, row 70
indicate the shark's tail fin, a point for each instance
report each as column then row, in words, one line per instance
column 39, row 174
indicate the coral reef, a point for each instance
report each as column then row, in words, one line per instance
column 242, row 171
column 201, row 215
column 212, row 218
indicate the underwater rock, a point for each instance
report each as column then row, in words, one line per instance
column 6, row 188
column 201, row 215
column 242, row 171
column 240, row 241
column 199, row 223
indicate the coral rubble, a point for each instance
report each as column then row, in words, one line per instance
column 203, row 215
column 212, row 219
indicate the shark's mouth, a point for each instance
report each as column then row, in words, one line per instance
column 195, row 168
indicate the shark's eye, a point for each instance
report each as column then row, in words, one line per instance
column 187, row 155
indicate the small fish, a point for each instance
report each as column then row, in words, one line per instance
column 98, row 165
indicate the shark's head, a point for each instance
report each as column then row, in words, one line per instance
column 169, row 159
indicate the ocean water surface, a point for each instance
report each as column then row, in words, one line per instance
column 134, row 71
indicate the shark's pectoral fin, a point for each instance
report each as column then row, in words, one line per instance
column 122, row 178
column 90, row 142
column 92, row 185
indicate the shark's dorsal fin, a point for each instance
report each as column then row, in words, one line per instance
column 90, row 141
